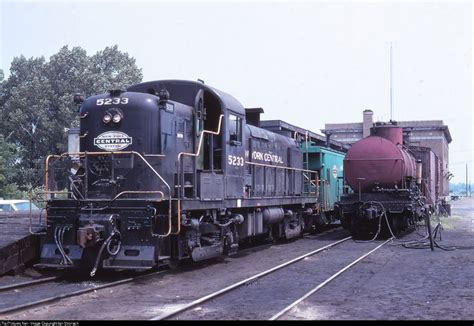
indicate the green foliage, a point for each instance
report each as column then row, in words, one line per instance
column 8, row 157
column 36, row 102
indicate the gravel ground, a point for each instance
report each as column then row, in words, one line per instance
column 393, row 283
column 147, row 298
column 399, row 283
column 266, row 296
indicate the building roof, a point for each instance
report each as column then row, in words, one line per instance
column 421, row 125
column 317, row 138
column 427, row 125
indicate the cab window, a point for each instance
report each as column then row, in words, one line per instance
column 235, row 129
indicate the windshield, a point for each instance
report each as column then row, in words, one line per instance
column 5, row 207
column 25, row 206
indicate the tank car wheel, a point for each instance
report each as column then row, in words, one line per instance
column 355, row 229
column 394, row 226
column 404, row 222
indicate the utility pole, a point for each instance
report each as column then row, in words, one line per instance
column 467, row 183
column 391, row 85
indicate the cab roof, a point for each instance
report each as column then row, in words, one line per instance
column 185, row 91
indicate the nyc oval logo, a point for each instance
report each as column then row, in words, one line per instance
column 113, row 141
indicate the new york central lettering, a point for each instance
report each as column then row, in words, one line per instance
column 113, row 141
column 267, row 157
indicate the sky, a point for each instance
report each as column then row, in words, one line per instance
column 307, row 63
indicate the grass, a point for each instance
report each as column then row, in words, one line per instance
column 448, row 222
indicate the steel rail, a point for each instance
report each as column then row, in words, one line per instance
column 246, row 281
column 28, row 283
column 76, row 293
column 291, row 306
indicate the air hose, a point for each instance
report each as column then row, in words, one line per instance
column 106, row 244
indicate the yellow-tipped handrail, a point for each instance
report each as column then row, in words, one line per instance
column 30, row 197
column 83, row 154
column 181, row 154
column 140, row 192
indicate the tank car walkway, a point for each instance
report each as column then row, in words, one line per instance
column 17, row 246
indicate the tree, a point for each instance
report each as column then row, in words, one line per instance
column 8, row 157
column 112, row 69
column 36, row 101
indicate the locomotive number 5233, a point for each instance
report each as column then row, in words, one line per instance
column 235, row 160
column 109, row 101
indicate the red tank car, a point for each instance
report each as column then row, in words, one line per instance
column 388, row 193
column 379, row 161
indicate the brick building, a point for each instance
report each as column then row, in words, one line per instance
column 427, row 133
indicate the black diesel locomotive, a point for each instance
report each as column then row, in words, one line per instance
column 171, row 170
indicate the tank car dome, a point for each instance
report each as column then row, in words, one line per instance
column 376, row 161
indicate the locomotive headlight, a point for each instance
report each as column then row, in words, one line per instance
column 117, row 117
column 107, row 118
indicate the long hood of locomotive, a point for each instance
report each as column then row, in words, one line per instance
column 376, row 161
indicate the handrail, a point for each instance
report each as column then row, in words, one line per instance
column 312, row 182
column 372, row 159
column 46, row 171
column 154, row 155
column 140, row 192
column 281, row 167
column 193, row 155
column 85, row 153
column 201, row 139
column 291, row 169
column 30, row 197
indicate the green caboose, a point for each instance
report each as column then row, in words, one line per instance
column 319, row 154
column 328, row 162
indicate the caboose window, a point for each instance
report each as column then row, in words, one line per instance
column 235, row 129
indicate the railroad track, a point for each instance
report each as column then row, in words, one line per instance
column 12, row 290
column 13, row 287
column 246, row 281
column 251, row 281
column 288, row 308
column 54, row 298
